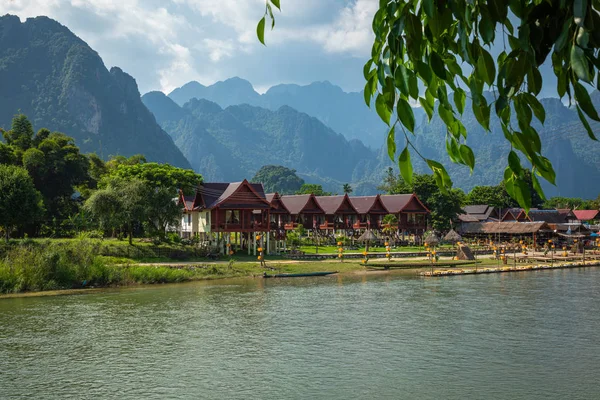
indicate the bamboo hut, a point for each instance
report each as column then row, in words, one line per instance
column 431, row 239
column 366, row 237
column 452, row 237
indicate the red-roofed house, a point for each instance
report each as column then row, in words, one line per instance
column 370, row 211
column 339, row 212
column 586, row 215
column 411, row 213
column 304, row 209
column 225, row 207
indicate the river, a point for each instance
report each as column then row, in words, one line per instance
column 529, row 335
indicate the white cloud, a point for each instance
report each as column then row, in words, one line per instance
column 165, row 44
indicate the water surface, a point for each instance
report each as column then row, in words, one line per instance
column 526, row 335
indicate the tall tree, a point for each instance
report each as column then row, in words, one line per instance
column 20, row 202
column 443, row 44
column 312, row 188
column 347, row 188
column 276, row 178
column 495, row 196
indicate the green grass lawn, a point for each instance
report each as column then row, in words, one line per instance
column 377, row 249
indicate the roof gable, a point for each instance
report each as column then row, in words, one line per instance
column 368, row 204
column 336, row 204
column 232, row 195
column 586, row 215
column 277, row 206
column 300, row 203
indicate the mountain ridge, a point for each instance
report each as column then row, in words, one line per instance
column 59, row 82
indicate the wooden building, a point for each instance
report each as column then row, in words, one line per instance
column 340, row 213
column 411, row 213
column 304, row 210
column 370, row 211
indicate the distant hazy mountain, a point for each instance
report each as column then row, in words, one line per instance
column 576, row 158
column 233, row 143
column 60, row 83
column 345, row 113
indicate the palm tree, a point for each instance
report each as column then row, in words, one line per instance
column 390, row 225
column 347, row 188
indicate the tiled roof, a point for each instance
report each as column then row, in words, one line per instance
column 468, row 218
column 296, row 203
column 331, row 204
column 363, row 204
column 213, row 194
column 550, row 216
column 586, row 215
column 477, row 209
column 395, row 203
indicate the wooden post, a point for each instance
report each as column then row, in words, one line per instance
column 268, row 233
column 254, row 243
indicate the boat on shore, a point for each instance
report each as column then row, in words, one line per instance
column 299, row 275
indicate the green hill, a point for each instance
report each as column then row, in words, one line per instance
column 233, row 143
column 59, row 82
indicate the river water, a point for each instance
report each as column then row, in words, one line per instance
column 530, row 335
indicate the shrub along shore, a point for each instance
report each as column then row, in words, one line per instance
column 58, row 264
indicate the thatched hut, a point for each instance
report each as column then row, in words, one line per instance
column 452, row 237
column 431, row 239
column 366, row 237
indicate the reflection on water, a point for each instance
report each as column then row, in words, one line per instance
column 503, row 336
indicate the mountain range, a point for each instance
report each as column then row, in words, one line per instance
column 233, row 142
column 227, row 130
column 60, row 83
column 345, row 113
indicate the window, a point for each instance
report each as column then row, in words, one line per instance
column 189, row 218
column 232, row 216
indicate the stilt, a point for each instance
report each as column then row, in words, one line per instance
column 268, row 249
column 248, row 243
column 254, row 243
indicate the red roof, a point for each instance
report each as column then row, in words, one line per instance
column 586, row 215
column 333, row 204
column 238, row 194
column 396, row 203
column 369, row 204
column 298, row 203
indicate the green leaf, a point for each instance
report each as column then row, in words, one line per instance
column 467, row 156
column 401, row 79
column 452, row 150
column 406, row 114
column 260, row 30
column 370, row 88
column 405, row 166
column 482, row 114
column 537, row 187
column 486, row 26
column 424, row 71
column 585, row 102
column 514, row 162
column 523, row 194
column 427, row 107
column 385, row 113
column 391, row 143
column 536, row 106
column 437, row 65
column 459, row 100
column 367, row 69
column 440, row 174
column 579, row 11
column 277, row 4
column 579, row 63
column 413, row 86
column 586, row 124
column 429, row 7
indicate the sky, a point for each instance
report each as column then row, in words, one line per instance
column 164, row 44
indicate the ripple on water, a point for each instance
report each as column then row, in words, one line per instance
column 505, row 336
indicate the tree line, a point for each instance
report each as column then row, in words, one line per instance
column 49, row 188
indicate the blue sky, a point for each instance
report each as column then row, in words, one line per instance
column 165, row 44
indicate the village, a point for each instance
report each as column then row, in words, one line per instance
column 240, row 217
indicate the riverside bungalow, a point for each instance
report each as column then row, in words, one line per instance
column 587, row 216
column 279, row 215
column 370, row 211
column 411, row 213
column 515, row 214
column 219, row 208
column 479, row 213
column 340, row 213
column 505, row 231
column 304, row 210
